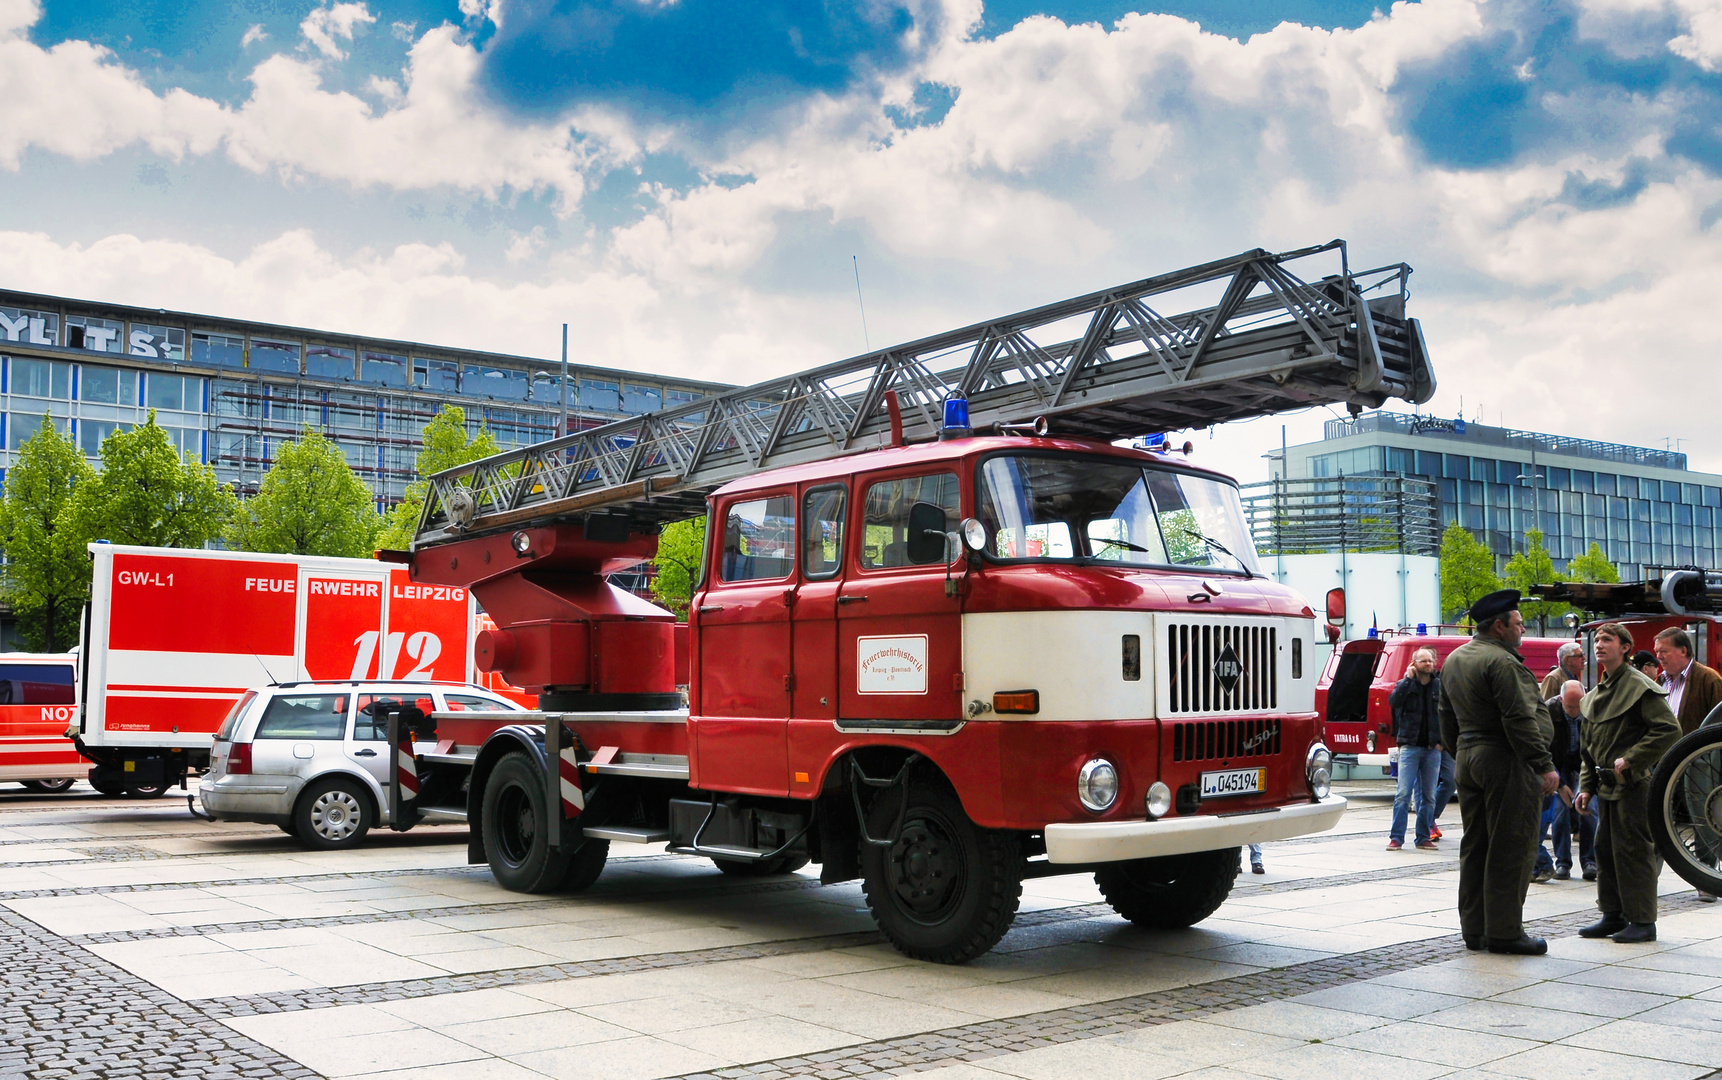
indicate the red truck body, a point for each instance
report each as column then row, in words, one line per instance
column 1359, row 677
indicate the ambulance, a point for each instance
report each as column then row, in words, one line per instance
column 38, row 697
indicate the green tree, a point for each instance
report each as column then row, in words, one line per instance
column 446, row 444
column 677, row 564
column 1593, row 565
column 46, row 578
column 309, row 503
column 1467, row 571
column 146, row 494
column 1533, row 566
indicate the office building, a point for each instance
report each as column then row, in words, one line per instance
column 230, row 392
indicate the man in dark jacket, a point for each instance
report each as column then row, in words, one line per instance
column 1492, row 716
column 1567, row 716
column 1417, row 731
column 1628, row 727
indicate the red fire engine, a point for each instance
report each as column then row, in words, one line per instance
column 933, row 646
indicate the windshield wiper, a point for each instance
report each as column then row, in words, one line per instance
column 1222, row 549
column 1125, row 544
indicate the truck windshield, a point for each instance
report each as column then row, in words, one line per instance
column 1084, row 509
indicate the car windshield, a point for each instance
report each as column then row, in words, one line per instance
column 1089, row 510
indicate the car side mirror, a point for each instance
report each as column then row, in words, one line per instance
column 927, row 541
column 1336, row 607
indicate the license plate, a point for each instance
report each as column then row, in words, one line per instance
column 1233, row 782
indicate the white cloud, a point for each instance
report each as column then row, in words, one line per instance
column 325, row 24
column 1624, row 22
column 253, row 33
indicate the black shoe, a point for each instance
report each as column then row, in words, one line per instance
column 1475, row 942
column 1543, row 874
column 1706, row 898
column 1607, row 926
column 1524, row 945
column 1590, row 872
column 1258, row 868
column 1636, row 933
column 1563, row 873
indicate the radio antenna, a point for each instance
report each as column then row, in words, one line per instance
column 273, row 681
column 855, row 260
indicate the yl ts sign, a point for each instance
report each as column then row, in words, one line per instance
column 382, row 626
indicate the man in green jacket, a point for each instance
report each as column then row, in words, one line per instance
column 1629, row 727
column 1493, row 717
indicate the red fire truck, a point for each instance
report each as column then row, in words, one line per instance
column 1359, row 677
column 174, row 637
column 933, row 646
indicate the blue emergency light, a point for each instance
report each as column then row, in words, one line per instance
column 1422, row 628
column 1374, row 633
column 956, row 419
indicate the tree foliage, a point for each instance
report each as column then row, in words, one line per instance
column 1533, row 566
column 146, row 494
column 677, row 564
column 46, row 578
column 309, row 503
column 1593, row 565
column 1467, row 571
column 446, row 444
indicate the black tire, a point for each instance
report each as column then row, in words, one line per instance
column 288, row 829
column 783, row 864
column 948, row 889
column 1686, row 808
column 1172, row 891
column 514, row 827
column 333, row 814
column 107, row 785
column 585, row 866
column 49, row 787
column 146, row 791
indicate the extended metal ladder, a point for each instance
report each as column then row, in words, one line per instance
column 1119, row 368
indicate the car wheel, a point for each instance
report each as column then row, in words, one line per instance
column 146, row 791
column 49, row 787
column 332, row 814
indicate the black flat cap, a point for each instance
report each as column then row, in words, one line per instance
column 1495, row 604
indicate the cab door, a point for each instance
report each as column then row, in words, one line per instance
column 813, row 617
column 746, row 656
column 899, row 637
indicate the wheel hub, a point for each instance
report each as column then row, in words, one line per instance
column 926, row 868
column 335, row 815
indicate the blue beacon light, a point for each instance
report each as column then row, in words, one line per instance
column 956, row 419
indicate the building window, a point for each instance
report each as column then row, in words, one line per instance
column 1628, row 487
column 162, row 343
column 498, row 384
column 1558, row 479
column 1584, row 481
column 600, row 395
column 441, row 376
column 216, row 350
column 672, row 398
column 329, row 362
column 92, row 432
column 41, row 378
column 96, row 335
column 109, row 386
column 180, row 393
column 639, row 399
column 279, row 356
column 28, row 327
column 384, row 369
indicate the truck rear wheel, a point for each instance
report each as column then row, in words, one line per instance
column 1172, row 891
column 946, row 890
column 515, row 830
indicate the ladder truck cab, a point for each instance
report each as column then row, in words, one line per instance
column 932, row 646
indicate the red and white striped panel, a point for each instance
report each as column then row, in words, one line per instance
column 407, row 771
column 573, row 796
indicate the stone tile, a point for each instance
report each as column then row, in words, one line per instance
column 641, row 1058
column 1325, row 1061
column 1651, row 980
column 1575, row 995
column 1200, row 1042
column 761, row 1039
column 1579, row 1063
column 473, row 1005
column 288, row 1029
column 1692, row 1012
column 1428, row 1043
column 1375, row 998
column 1685, row 1043
column 481, row 1069
column 510, row 1036
column 1083, row 1061
column 1460, row 982
column 657, row 1015
column 1297, row 1021
column 351, row 1055
column 1516, row 1021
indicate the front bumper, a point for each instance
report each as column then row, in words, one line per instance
column 1117, row 841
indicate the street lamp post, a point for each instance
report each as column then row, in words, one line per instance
column 563, row 428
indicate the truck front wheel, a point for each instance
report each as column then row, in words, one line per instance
column 946, row 889
column 1172, row 891
column 515, row 830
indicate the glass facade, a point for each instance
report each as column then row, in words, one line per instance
column 1578, row 492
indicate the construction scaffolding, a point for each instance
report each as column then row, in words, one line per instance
column 1317, row 515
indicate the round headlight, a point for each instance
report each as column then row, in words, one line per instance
column 521, row 542
column 974, row 534
column 1319, row 771
column 1159, row 800
column 1097, row 785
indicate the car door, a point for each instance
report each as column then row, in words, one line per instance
column 899, row 637
column 741, row 731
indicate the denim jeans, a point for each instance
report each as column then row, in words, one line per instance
column 1447, row 786
column 1419, row 772
column 1558, row 821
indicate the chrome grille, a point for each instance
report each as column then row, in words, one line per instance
column 1193, row 648
column 1202, row 740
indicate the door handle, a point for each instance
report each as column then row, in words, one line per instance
column 707, row 609
column 852, row 599
column 366, row 752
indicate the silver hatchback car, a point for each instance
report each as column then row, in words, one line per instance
column 312, row 757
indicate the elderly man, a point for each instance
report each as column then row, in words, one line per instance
column 1693, row 689
column 1567, row 717
column 1569, row 667
column 1500, row 732
column 1628, row 728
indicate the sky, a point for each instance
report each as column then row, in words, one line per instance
column 695, row 185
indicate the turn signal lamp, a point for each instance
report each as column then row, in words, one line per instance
column 239, row 759
column 1159, row 800
column 1016, row 701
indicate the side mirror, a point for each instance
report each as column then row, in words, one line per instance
column 926, row 542
column 1336, row 607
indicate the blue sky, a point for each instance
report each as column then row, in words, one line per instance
column 686, row 181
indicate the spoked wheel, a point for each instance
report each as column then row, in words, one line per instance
column 515, row 831
column 49, row 787
column 1686, row 808
column 332, row 814
column 1172, row 891
column 947, row 889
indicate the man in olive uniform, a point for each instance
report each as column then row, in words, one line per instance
column 1630, row 727
column 1493, row 718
